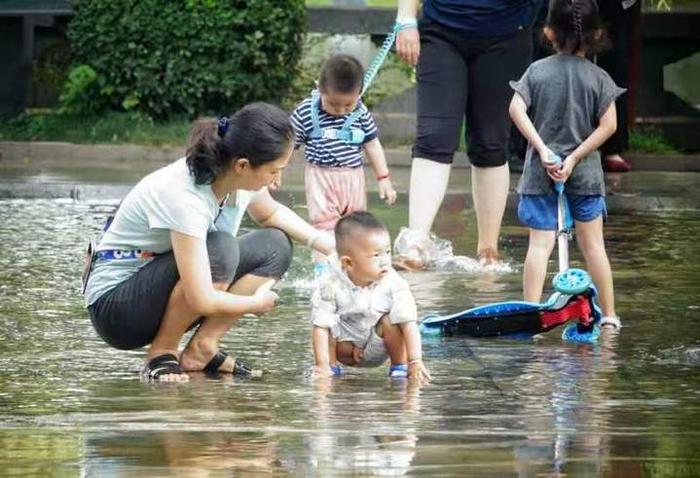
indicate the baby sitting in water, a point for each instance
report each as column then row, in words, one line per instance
column 363, row 312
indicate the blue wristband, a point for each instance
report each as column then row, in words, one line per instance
column 405, row 24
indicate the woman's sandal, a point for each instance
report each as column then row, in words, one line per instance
column 239, row 368
column 161, row 365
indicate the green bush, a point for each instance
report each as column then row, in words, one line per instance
column 80, row 92
column 169, row 57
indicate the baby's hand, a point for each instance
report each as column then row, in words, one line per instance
column 357, row 354
column 321, row 371
column 417, row 370
column 386, row 190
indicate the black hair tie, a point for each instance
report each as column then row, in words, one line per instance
column 222, row 125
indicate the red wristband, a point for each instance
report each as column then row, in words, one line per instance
column 384, row 176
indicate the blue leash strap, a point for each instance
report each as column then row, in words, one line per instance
column 347, row 133
column 382, row 53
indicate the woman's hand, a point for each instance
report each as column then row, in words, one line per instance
column 265, row 297
column 387, row 191
column 408, row 45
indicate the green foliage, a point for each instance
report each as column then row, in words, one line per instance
column 650, row 140
column 169, row 57
column 393, row 77
column 81, row 93
column 49, row 72
column 108, row 127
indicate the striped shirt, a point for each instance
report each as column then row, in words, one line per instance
column 331, row 152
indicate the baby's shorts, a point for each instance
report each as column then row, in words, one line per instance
column 375, row 352
column 539, row 211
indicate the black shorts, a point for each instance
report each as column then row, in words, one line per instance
column 128, row 316
column 460, row 78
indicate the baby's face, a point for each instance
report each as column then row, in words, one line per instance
column 339, row 104
column 370, row 257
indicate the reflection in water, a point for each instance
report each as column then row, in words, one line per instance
column 376, row 448
column 571, row 382
column 496, row 407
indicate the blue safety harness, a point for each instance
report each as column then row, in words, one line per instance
column 347, row 132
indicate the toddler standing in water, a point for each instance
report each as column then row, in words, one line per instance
column 565, row 105
column 363, row 312
column 336, row 128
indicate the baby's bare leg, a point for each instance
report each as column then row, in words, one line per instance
column 345, row 353
column 393, row 341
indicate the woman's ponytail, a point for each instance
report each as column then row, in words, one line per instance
column 259, row 132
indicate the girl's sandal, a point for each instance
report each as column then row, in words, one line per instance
column 611, row 321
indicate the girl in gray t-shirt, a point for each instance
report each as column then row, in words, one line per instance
column 565, row 105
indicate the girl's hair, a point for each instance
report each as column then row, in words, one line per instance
column 258, row 132
column 341, row 73
column 576, row 26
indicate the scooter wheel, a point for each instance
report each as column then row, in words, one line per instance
column 572, row 281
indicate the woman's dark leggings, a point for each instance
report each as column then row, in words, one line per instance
column 128, row 316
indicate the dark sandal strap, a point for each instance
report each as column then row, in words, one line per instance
column 242, row 370
column 216, row 361
column 239, row 368
column 162, row 365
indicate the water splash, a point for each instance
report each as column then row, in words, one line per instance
column 417, row 250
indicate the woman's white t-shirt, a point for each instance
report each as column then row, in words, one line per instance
column 164, row 201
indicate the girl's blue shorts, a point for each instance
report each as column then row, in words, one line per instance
column 539, row 211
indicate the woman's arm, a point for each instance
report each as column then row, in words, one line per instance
column 195, row 274
column 377, row 160
column 408, row 40
column 269, row 213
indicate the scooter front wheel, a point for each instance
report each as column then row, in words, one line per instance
column 572, row 281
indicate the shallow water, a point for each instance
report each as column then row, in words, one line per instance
column 630, row 406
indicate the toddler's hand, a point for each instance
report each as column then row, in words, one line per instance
column 265, row 297
column 418, row 371
column 386, row 191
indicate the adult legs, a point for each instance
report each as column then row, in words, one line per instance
column 490, row 194
column 179, row 316
column 535, row 269
column 620, row 25
column 264, row 254
column 427, row 190
column 488, row 129
column 441, row 76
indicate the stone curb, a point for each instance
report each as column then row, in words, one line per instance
column 111, row 156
